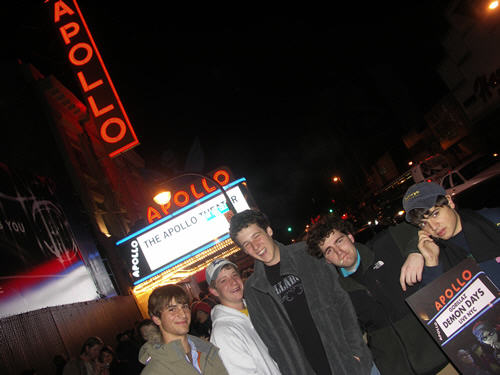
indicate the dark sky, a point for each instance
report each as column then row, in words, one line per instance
column 285, row 101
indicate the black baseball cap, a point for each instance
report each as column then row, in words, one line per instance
column 422, row 195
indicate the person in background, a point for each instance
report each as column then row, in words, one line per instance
column 178, row 353
column 201, row 323
column 148, row 331
column 107, row 361
column 297, row 305
column 86, row 363
column 151, row 336
column 241, row 349
column 127, row 353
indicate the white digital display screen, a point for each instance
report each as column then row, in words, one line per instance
column 189, row 230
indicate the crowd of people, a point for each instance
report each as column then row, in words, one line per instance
column 327, row 305
column 99, row 358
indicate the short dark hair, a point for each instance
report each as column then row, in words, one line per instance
column 243, row 219
column 317, row 234
column 163, row 295
column 416, row 215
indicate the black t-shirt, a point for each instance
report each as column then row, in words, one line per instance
column 289, row 288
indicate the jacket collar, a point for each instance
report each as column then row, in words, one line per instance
column 367, row 257
column 176, row 346
column 287, row 266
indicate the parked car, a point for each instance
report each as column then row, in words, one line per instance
column 473, row 172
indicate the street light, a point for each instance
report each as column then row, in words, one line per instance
column 336, row 179
column 163, row 197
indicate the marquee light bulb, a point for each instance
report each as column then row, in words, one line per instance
column 162, row 198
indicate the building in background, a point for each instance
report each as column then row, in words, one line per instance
column 103, row 203
column 64, row 200
column 471, row 71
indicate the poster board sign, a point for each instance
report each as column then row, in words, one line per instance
column 460, row 310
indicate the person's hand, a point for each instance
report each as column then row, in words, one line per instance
column 411, row 271
column 428, row 248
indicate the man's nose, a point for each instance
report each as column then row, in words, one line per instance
column 338, row 251
column 255, row 244
column 432, row 226
column 181, row 312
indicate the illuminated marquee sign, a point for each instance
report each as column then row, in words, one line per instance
column 182, row 234
column 113, row 125
column 194, row 191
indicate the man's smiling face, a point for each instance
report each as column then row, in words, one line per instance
column 259, row 244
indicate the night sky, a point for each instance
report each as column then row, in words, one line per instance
column 285, row 101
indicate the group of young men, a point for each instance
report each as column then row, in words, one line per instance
column 328, row 305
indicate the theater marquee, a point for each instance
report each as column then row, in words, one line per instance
column 185, row 233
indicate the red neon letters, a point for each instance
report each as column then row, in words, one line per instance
column 113, row 124
column 182, row 197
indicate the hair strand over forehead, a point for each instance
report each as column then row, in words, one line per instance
column 416, row 215
column 163, row 295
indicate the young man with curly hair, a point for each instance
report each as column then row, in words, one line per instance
column 369, row 273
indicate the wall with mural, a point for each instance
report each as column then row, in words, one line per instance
column 42, row 264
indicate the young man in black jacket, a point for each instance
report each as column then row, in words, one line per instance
column 370, row 274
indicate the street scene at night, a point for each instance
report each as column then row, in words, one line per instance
column 246, row 192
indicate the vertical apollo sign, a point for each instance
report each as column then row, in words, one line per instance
column 112, row 122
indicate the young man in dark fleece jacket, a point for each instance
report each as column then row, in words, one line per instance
column 447, row 235
column 370, row 274
column 297, row 306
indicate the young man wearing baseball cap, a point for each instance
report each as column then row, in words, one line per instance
column 241, row 349
column 447, row 235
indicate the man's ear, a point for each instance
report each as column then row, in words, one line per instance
column 351, row 237
column 269, row 231
column 156, row 320
column 213, row 291
column 450, row 201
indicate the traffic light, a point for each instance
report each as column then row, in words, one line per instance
column 289, row 229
